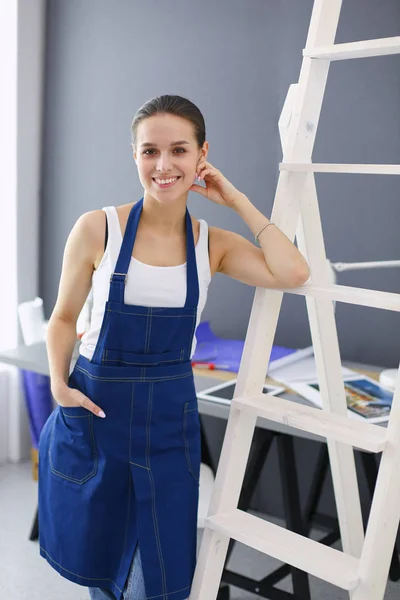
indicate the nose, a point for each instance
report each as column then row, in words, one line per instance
column 163, row 162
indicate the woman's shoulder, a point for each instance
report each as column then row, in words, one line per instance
column 94, row 220
column 88, row 223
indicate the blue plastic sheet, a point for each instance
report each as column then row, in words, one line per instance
column 38, row 401
column 225, row 354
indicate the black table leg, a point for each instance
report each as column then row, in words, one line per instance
column 260, row 447
column 262, row 441
column 291, row 501
column 371, row 474
column 34, row 535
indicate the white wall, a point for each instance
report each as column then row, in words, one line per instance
column 22, row 34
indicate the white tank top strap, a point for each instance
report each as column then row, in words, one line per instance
column 168, row 288
column 203, row 263
column 114, row 233
column 114, row 242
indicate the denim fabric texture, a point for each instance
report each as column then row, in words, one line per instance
column 109, row 486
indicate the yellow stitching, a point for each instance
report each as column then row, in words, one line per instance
column 136, row 464
column 102, row 332
column 150, row 323
column 187, row 449
column 81, row 576
column 147, row 331
column 67, row 477
column 129, row 314
column 130, row 424
column 127, row 362
column 75, row 416
column 194, row 327
column 155, row 523
column 128, row 379
column 127, row 522
column 169, row 593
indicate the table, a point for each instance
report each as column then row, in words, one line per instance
column 34, row 358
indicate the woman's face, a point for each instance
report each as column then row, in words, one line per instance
column 167, row 155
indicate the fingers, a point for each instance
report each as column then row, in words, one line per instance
column 77, row 398
column 205, row 172
column 199, row 189
column 96, row 410
column 202, row 164
column 205, row 168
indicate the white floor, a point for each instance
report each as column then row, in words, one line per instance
column 24, row 575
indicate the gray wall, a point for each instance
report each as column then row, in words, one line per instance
column 235, row 60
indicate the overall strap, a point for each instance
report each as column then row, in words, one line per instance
column 120, row 275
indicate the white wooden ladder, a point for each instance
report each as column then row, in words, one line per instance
column 362, row 568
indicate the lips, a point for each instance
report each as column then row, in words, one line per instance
column 165, row 185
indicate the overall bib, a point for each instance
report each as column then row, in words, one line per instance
column 107, row 484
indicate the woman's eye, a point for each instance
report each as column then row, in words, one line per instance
column 151, row 150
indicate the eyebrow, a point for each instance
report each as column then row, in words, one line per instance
column 179, row 143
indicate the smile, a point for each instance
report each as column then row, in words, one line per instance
column 163, row 183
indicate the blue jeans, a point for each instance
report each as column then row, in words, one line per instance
column 134, row 587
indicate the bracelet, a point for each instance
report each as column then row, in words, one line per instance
column 261, row 230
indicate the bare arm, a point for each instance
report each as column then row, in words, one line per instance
column 277, row 264
column 81, row 250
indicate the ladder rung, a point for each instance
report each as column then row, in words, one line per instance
column 340, row 168
column 350, row 295
column 321, row 561
column 364, row 49
column 364, row 436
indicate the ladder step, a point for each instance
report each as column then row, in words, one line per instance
column 349, row 295
column 364, row 436
column 364, row 49
column 321, row 561
column 340, row 168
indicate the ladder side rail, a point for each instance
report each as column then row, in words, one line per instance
column 312, row 83
column 384, row 515
column 321, row 316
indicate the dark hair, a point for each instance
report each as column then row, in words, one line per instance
column 172, row 105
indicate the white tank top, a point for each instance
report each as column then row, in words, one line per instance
column 147, row 285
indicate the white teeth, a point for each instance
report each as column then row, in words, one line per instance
column 164, row 181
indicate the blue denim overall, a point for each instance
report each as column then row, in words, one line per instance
column 107, row 484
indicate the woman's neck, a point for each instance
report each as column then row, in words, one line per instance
column 166, row 218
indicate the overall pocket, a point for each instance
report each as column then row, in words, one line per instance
column 72, row 450
column 121, row 358
column 191, row 438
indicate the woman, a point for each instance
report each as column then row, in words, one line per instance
column 120, row 455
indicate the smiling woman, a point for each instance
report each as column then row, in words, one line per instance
column 128, row 482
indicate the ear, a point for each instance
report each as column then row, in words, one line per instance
column 134, row 153
column 204, row 150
